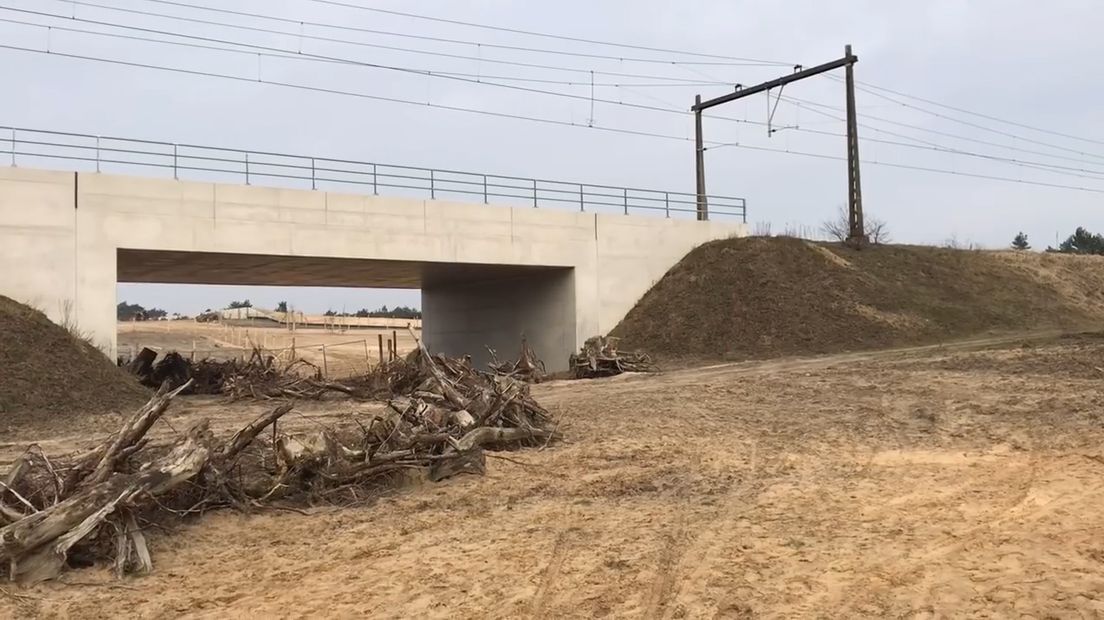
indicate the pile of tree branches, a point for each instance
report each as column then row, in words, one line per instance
column 528, row 367
column 599, row 357
column 207, row 375
column 261, row 376
column 93, row 507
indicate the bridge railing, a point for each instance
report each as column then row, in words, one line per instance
column 22, row 146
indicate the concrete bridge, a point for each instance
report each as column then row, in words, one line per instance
column 487, row 273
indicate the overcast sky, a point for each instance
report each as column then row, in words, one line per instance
column 1028, row 62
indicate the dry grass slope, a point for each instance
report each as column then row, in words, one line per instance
column 764, row 297
column 48, row 375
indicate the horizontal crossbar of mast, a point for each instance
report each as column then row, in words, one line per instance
column 782, row 81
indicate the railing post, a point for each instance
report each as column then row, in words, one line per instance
column 247, row 168
column 667, row 203
column 484, row 189
column 582, row 201
column 176, row 173
column 13, row 147
column 626, row 190
column 375, row 185
column 534, row 193
column 97, row 153
column 432, row 190
column 314, row 183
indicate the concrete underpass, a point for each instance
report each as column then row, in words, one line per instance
column 488, row 273
column 466, row 306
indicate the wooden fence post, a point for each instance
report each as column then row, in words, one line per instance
column 325, row 364
column 380, row 347
column 367, row 359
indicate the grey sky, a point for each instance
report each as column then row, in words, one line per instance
column 1030, row 62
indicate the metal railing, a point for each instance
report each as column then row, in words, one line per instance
column 22, row 146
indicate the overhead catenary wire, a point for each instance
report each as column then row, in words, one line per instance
column 285, row 53
column 875, row 162
column 296, row 55
column 129, row 37
column 268, row 51
column 530, row 118
column 981, row 115
column 560, row 37
column 335, row 91
column 289, row 54
column 870, row 117
column 934, row 146
column 478, row 44
column 959, row 121
column 980, row 126
column 263, row 50
column 587, row 83
column 300, row 35
column 1053, row 168
column 534, row 80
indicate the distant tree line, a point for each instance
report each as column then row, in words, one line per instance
column 398, row 312
column 1080, row 242
column 133, row 312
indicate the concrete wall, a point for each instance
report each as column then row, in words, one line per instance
column 466, row 317
column 60, row 233
column 38, row 241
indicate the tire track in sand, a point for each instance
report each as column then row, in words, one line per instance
column 550, row 577
column 675, row 559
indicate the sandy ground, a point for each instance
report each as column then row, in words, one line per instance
column 347, row 352
column 937, row 482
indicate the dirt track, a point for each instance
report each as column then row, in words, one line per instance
column 940, row 482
